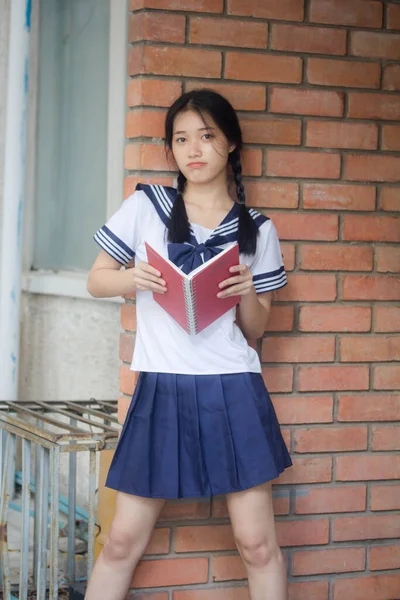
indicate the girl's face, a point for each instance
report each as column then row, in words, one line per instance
column 200, row 149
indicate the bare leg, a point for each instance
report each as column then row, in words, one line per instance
column 129, row 535
column 253, row 524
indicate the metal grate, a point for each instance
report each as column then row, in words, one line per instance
column 42, row 431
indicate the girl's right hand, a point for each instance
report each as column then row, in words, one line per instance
column 148, row 279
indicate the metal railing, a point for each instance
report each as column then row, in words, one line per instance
column 42, row 432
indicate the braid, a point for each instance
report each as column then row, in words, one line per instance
column 248, row 230
column 178, row 225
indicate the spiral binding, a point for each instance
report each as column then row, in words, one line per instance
column 189, row 292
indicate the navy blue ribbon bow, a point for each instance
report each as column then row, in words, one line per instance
column 189, row 256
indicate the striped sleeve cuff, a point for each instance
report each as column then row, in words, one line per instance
column 267, row 282
column 115, row 247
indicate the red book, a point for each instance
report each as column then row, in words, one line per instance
column 192, row 299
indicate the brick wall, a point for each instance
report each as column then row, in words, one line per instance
column 316, row 86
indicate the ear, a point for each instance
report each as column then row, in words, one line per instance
column 231, row 148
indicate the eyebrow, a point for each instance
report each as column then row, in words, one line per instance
column 201, row 129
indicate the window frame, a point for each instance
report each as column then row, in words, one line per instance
column 66, row 282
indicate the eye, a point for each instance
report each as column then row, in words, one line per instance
column 180, row 140
column 208, row 136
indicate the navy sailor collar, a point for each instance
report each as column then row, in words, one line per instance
column 163, row 198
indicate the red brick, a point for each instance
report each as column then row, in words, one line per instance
column 228, row 32
column 291, row 163
column 298, row 349
column 357, row 13
column 278, row 379
column 298, row 38
column 123, row 407
column 287, row 10
column 379, row 587
column 128, row 317
column 252, row 162
column 393, row 16
column 391, row 138
column 126, row 347
column 370, row 287
column 159, row 542
column 280, row 506
column 145, row 123
column 185, row 511
column 370, row 228
column 340, row 257
column 226, row 568
column 388, row 258
column 375, row 45
column 335, row 318
column 127, row 380
column 391, row 78
column 330, row 439
column 308, row 470
column 289, row 255
column 204, row 538
column 146, row 156
column 131, row 182
column 373, row 348
column 211, row 6
column 303, row 533
column 330, row 134
column 384, row 557
column 263, row 67
column 385, row 437
column 366, row 528
column 385, row 497
column 387, row 318
column 349, row 498
column 296, row 410
column 336, row 560
column 367, row 468
column 306, row 102
column 372, row 168
column 309, row 288
column 262, row 130
column 268, row 194
column 157, row 27
column 176, row 61
column 369, row 407
column 147, row 596
column 241, row 96
column 333, row 378
column 177, row 571
column 281, row 318
column 300, row 226
column 390, row 199
column 152, row 92
column 387, row 378
column 374, row 106
column 338, row 197
column 343, row 73
column 305, row 590
column 223, row 593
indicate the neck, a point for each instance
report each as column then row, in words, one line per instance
column 212, row 194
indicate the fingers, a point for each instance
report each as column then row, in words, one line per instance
column 147, row 278
column 146, row 285
column 235, row 290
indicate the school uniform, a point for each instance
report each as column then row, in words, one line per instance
column 201, row 422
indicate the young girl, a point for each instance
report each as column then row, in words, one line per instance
column 201, row 422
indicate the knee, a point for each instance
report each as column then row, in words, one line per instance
column 257, row 552
column 119, row 546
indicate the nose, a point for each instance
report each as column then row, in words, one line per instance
column 194, row 149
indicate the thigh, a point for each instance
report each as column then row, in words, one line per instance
column 252, row 515
column 134, row 519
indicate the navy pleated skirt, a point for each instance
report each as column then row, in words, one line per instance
column 198, row 435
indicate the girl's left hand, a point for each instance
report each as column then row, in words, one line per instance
column 240, row 285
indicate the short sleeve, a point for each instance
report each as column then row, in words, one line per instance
column 267, row 266
column 118, row 237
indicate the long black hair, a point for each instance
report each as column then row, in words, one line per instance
column 209, row 103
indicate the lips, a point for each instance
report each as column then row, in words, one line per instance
column 196, row 164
